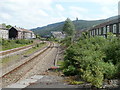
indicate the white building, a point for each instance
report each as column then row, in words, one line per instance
column 58, row 35
column 3, row 32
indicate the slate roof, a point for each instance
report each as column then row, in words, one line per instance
column 22, row 29
column 106, row 23
column 58, row 34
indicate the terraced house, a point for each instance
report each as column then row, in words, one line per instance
column 3, row 32
column 102, row 29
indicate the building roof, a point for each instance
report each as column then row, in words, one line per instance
column 22, row 29
column 58, row 34
column 106, row 23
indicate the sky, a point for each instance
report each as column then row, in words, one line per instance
column 37, row 13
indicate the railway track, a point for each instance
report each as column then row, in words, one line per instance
column 17, row 72
column 13, row 50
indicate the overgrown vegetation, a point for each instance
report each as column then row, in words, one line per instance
column 9, row 44
column 93, row 59
column 26, row 53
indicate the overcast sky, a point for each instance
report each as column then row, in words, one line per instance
column 36, row 13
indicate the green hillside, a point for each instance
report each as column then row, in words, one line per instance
column 79, row 24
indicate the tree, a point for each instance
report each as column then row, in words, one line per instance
column 69, row 28
column 8, row 26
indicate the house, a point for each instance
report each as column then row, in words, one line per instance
column 58, row 35
column 112, row 26
column 20, row 33
column 3, row 32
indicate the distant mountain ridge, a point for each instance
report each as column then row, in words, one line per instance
column 79, row 24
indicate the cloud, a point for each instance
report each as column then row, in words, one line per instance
column 43, row 13
column 59, row 7
column 30, row 13
column 107, row 12
column 79, row 9
column 16, row 12
column 34, row 13
column 78, row 12
column 103, row 2
column 5, row 16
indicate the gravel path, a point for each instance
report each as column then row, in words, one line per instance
column 44, row 62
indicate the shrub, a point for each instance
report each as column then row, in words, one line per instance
column 118, row 70
column 9, row 44
column 112, row 51
column 109, row 70
column 93, row 59
column 37, row 45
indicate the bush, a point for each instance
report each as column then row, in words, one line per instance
column 23, row 41
column 93, row 59
column 109, row 70
column 112, row 51
column 37, row 45
column 9, row 44
column 66, row 41
column 118, row 70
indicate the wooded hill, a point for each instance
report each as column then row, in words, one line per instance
column 79, row 25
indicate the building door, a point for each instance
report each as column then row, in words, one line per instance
column 13, row 33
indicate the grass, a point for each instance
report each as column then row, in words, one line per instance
column 72, row 80
column 15, row 46
column 25, row 54
column 76, row 82
column 60, row 62
column 10, row 44
column 35, row 48
column 9, row 58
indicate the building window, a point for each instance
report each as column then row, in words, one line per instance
column 108, row 28
column 90, row 33
column 114, row 28
column 119, row 27
column 104, row 30
column 94, row 31
column 99, row 31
